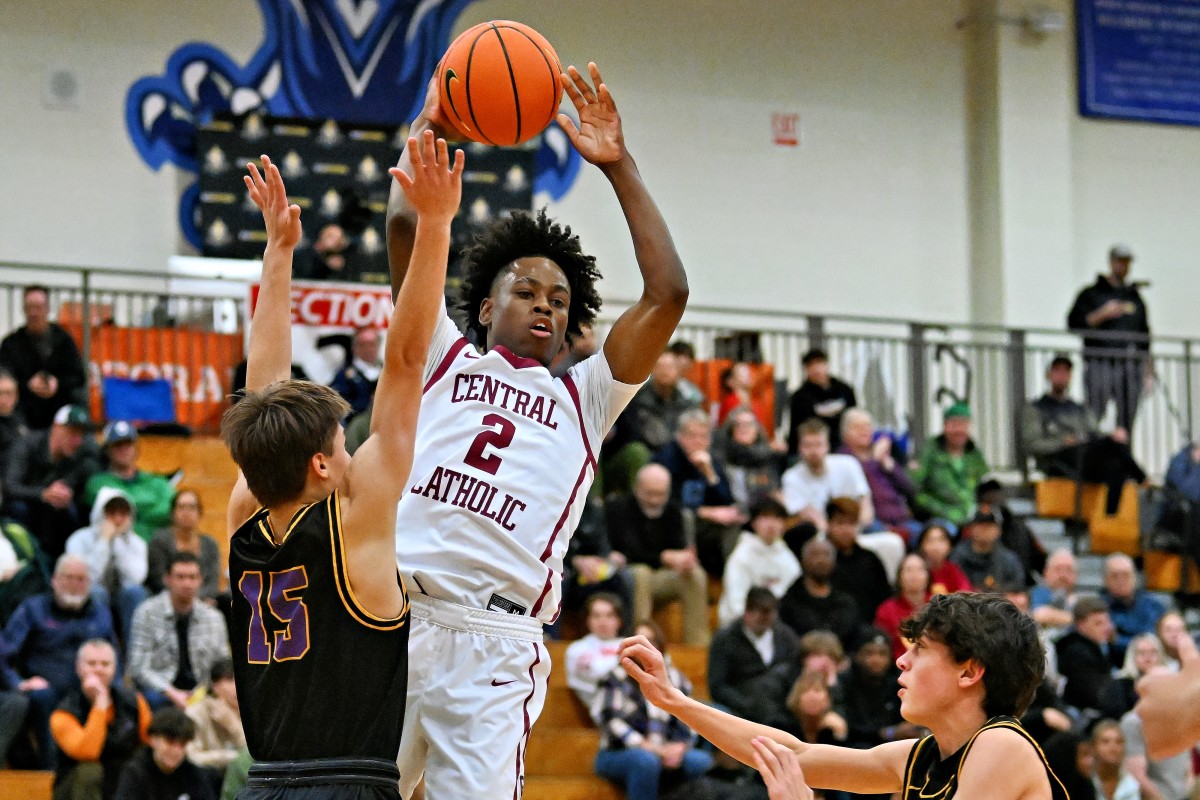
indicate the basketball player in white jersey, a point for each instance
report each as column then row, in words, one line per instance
column 505, row 454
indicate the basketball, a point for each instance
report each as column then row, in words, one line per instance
column 499, row 83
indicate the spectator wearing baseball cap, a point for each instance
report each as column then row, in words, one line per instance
column 990, row 566
column 949, row 469
column 1111, row 315
column 45, row 477
column 151, row 494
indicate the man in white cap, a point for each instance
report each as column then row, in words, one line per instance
column 1116, row 338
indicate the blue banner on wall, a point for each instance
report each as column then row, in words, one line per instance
column 1139, row 59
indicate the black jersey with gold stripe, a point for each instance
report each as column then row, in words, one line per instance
column 317, row 675
column 929, row 777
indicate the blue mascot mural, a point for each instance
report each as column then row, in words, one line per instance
column 364, row 61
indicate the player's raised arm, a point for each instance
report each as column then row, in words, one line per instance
column 639, row 336
column 401, row 216
column 879, row 770
column 379, row 470
column 270, row 352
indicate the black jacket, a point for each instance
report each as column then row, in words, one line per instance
column 738, row 678
column 143, row 780
column 1096, row 295
column 641, row 539
column 1087, row 669
column 871, row 704
column 826, row 404
column 30, row 468
column 861, row 575
column 20, row 356
column 802, row 612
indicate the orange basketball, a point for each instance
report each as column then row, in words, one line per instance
column 499, row 83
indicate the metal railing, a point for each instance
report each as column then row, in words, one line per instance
column 905, row 372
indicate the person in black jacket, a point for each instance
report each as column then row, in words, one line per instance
column 822, row 396
column 751, row 659
column 1087, row 655
column 44, row 360
column 163, row 771
column 1115, row 361
column 869, row 700
column 592, row 565
column 813, row 602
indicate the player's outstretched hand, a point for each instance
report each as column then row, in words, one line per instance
column 435, row 187
column 645, row 664
column 599, row 137
column 1169, row 707
column 780, row 770
column 281, row 219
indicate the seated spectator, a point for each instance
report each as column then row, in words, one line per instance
column 1183, row 473
column 12, row 424
column 25, row 571
column 813, row 602
column 41, row 641
column 1109, row 776
column 859, row 572
column 236, row 775
column 912, row 593
column 988, row 565
column 935, row 544
column 1015, row 533
column 750, row 661
column 1086, row 656
column 1069, row 755
column 590, row 659
column 890, row 486
column 150, row 494
column 869, row 691
column 640, row 744
column 751, row 461
column 1143, row 655
column 1065, row 439
column 652, row 531
column 357, row 378
column 820, row 396
column 823, row 654
column 657, row 407
column 175, row 640
column 1170, row 628
column 814, row 719
column 44, row 361
column 685, row 359
column 184, row 536
column 115, row 554
column 219, row 734
column 592, row 565
column 164, row 772
column 1160, row 779
column 1132, row 609
column 1051, row 600
column 949, row 469
column 98, row 726
column 45, row 477
column 737, row 387
column 817, row 478
column 698, row 483
column 1047, row 715
column 761, row 559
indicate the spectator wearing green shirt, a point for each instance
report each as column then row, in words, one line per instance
column 151, row 494
column 950, row 468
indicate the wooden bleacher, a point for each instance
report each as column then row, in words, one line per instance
column 1109, row 533
column 18, row 784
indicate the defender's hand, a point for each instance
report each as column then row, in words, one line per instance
column 645, row 665
column 598, row 138
column 281, row 219
column 435, row 187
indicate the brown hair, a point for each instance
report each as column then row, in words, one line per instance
column 274, row 432
column 807, row 682
column 821, row 642
column 813, row 427
column 846, row 508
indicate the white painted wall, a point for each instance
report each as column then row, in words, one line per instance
column 870, row 214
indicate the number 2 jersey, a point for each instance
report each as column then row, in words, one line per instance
column 504, row 457
column 317, row 675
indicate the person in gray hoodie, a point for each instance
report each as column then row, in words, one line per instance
column 116, row 556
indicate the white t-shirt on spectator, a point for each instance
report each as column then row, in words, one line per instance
column 843, row 477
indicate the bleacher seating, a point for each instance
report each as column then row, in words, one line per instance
column 1109, row 533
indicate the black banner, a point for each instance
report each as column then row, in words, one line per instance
column 338, row 174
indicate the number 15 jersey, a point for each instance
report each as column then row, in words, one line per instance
column 504, row 457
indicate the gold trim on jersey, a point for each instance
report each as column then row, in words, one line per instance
column 341, row 578
column 264, row 524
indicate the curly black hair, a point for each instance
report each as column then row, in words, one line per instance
column 522, row 235
column 989, row 629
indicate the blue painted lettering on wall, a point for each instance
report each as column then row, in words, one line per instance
column 365, row 61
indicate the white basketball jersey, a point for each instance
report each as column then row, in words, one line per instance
column 503, row 460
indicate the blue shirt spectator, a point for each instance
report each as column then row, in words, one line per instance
column 1132, row 610
column 1184, row 472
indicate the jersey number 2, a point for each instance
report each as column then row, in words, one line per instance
column 288, row 644
column 498, row 439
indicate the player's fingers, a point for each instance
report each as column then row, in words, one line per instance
column 606, row 97
column 581, row 84
column 252, row 190
column 259, row 184
column 1188, row 652
column 460, row 163
column 414, row 153
column 594, row 71
column 572, row 92
column 403, row 178
column 442, row 153
column 568, row 126
column 294, row 212
column 429, row 149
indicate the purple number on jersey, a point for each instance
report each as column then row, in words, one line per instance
column 498, row 439
column 291, row 643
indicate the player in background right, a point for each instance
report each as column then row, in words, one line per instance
column 974, row 665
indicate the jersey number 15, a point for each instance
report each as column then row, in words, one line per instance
column 284, row 605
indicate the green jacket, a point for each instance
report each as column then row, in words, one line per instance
column 151, row 496
column 945, row 484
